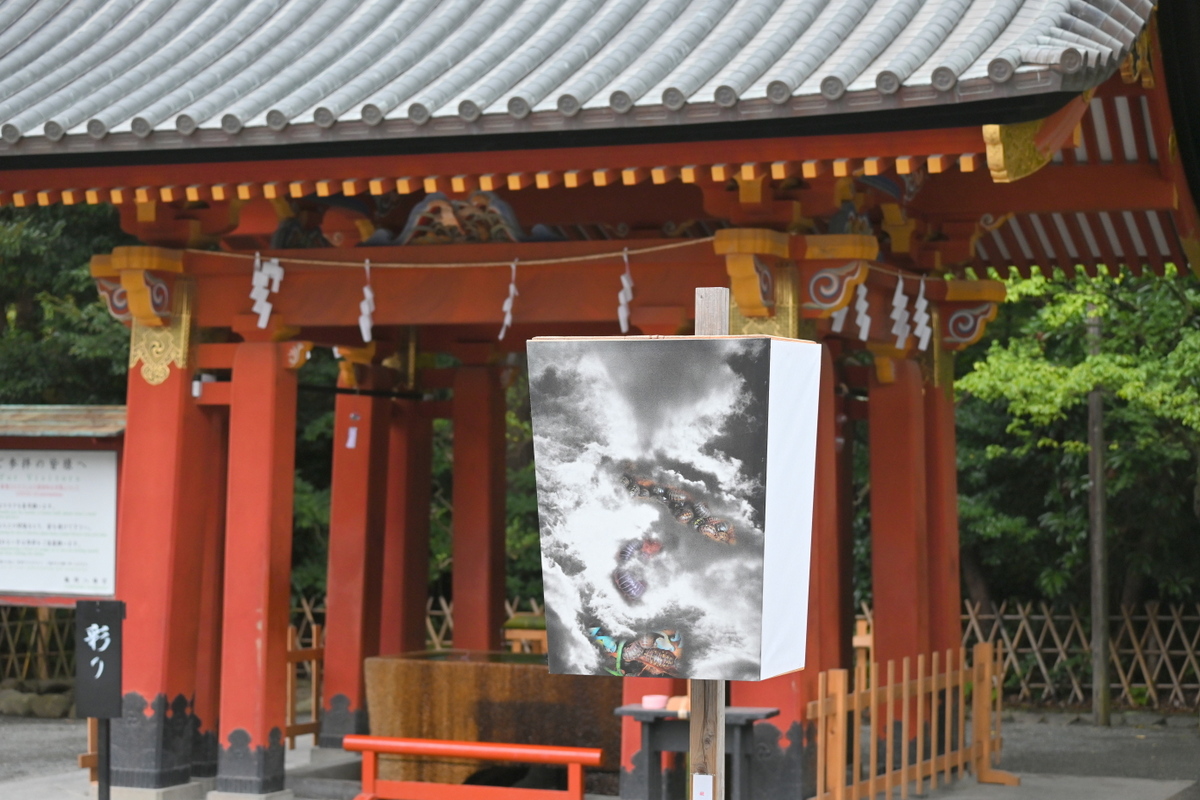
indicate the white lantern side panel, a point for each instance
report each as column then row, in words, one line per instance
column 791, row 467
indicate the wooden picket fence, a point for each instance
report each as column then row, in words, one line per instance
column 313, row 657
column 915, row 726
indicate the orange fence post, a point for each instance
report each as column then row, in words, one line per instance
column 835, row 765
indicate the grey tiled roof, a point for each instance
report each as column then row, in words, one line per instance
column 132, row 74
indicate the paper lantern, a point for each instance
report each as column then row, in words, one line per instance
column 675, row 492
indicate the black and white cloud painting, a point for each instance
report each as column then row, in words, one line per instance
column 651, row 467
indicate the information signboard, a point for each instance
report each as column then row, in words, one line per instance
column 58, row 522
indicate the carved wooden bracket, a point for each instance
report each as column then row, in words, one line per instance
column 136, row 283
column 1021, row 149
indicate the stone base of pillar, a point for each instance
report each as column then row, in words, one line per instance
column 184, row 791
column 207, row 784
column 286, row 794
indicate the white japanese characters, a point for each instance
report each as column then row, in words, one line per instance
column 98, row 638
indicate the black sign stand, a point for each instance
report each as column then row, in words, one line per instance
column 98, row 647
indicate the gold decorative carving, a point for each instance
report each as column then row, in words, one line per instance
column 1021, row 149
column 157, row 348
column 786, row 321
column 1012, row 153
column 1137, row 66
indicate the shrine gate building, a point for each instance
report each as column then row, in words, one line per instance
column 851, row 169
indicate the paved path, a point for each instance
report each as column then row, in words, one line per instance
column 1056, row 762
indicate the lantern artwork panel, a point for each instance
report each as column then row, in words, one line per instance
column 675, row 486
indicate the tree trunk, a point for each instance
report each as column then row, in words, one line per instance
column 976, row 584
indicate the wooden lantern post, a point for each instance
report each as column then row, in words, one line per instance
column 707, row 698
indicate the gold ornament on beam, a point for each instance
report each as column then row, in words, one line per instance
column 157, row 348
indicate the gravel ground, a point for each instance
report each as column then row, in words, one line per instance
column 1080, row 749
column 30, row 747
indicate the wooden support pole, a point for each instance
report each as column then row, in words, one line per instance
column 406, row 530
column 478, row 525
column 258, row 558
column 1101, row 701
column 356, row 521
column 708, row 696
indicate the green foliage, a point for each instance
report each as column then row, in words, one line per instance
column 58, row 343
column 1022, row 428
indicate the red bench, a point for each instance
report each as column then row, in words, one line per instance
column 373, row 788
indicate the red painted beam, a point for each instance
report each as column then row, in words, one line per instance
column 952, row 140
column 320, row 296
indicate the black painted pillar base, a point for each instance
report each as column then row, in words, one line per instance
column 244, row 770
column 338, row 720
column 784, row 767
column 152, row 751
column 205, row 750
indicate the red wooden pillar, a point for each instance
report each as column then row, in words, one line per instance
column 406, row 529
column 899, row 547
column 258, row 550
column 206, row 705
column 478, row 526
column 352, row 600
column 945, row 593
column 159, row 543
column 789, row 738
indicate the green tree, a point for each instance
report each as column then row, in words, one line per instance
column 1022, row 417
column 58, row 344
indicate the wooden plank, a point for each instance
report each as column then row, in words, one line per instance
column 904, row 727
column 432, row 184
column 547, row 179
column 907, row 165
column 692, row 173
column 722, row 173
column 920, row 695
column 835, row 767
column 707, row 697
column 464, row 184
column 222, row 192
column 328, row 188
column 873, row 710
column 889, row 782
column 71, row 197
column 378, row 186
column 289, row 706
column 933, row 721
column 813, row 168
column 275, row 190
column 970, row 162
column 491, row 181
column 355, row 186
column 856, row 698
column 48, row 197
column 948, row 727
column 249, row 191
column 822, row 734
column 962, row 710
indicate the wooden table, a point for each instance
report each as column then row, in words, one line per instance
column 664, row 732
column 486, row 697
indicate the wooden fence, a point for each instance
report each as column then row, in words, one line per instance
column 313, row 658
column 915, row 726
column 1155, row 650
column 1154, row 653
column 37, row 642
